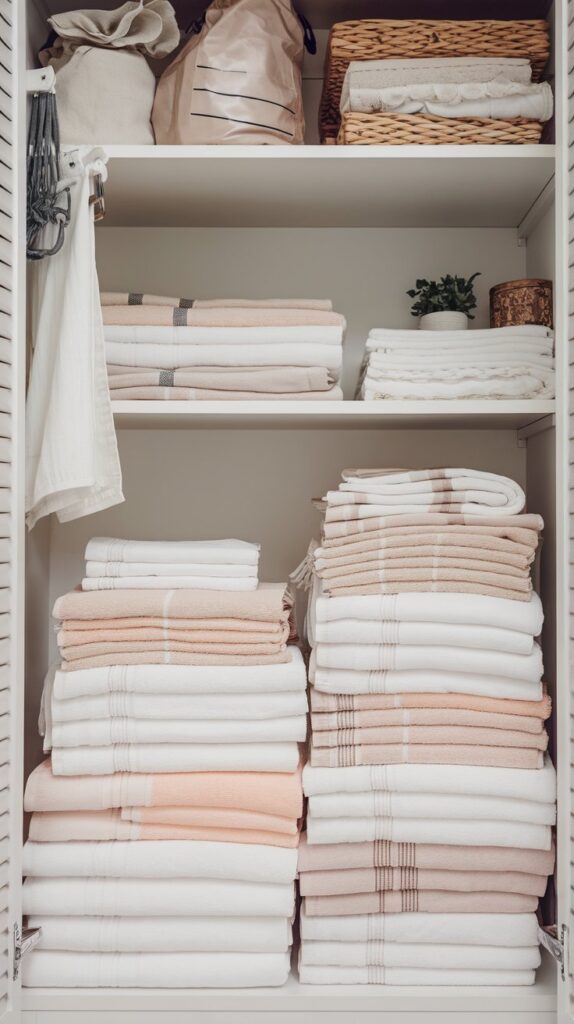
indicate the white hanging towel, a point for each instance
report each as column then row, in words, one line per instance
column 72, row 465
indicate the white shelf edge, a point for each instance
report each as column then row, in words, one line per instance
column 116, row 152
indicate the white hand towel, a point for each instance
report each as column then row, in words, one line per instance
column 453, row 609
column 381, row 658
column 222, row 552
column 420, row 955
column 432, row 929
column 382, row 804
column 123, row 731
column 522, row 835
column 176, row 757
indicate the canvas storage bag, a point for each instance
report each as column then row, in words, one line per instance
column 104, row 85
column 236, row 81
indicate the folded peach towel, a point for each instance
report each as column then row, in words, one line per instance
column 96, row 826
column 169, row 394
column 384, row 853
column 157, row 657
column 424, row 558
column 375, row 880
column 265, row 792
column 209, row 817
column 487, row 538
column 141, row 299
column 271, row 602
column 364, row 702
column 109, row 649
column 464, row 583
column 439, row 735
column 427, row 901
column 424, row 753
column 355, row 529
column 116, row 631
column 266, row 379
column 428, row 573
column 167, row 316
column 148, row 622
column 339, row 561
column 337, row 722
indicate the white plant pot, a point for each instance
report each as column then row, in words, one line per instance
column 447, row 320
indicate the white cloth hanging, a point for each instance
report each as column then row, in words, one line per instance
column 72, row 464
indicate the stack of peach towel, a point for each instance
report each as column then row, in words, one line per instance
column 162, row 848
column 431, row 795
column 162, row 348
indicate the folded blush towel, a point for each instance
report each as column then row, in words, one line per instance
column 510, row 930
column 447, row 581
column 140, row 299
column 483, row 539
column 522, row 529
column 420, row 753
column 335, row 722
column 426, row 901
column 208, row 817
column 381, row 735
column 227, row 317
column 328, row 704
column 268, row 380
column 114, row 659
column 370, row 880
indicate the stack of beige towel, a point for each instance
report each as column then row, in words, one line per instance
column 430, row 789
column 162, row 848
column 163, row 348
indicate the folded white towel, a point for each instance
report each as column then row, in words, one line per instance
column 63, row 969
column 420, row 955
column 169, row 583
column 499, row 337
column 162, row 569
column 333, row 680
column 150, row 859
column 179, row 934
column 410, row 70
column 523, row 835
column 170, row 357
column 440, row 929
column 222, row 552
column 123, row 731
column 469, row 780
column 151, row 897
column 397, row 657
column 492, row 99
column 176, row 757
column 372, row 632
column 410, row 976
column 382, row 804
column 215, row 337
column 198, row 707
column 523, row 383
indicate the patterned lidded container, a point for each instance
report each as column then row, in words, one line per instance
column 521, row 302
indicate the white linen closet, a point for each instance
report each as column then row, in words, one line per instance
column 357, row 224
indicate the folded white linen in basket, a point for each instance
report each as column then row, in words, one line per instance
column 397, row 657
column 420, row 955
column 184, row 679
column 198, row 707
column 461, row 832
column 161, row 569
column 111, row 732
column 440, row 929
column 64, row 969
column 170, row 357
column 238, row 337
column 222, row 552
column 151, row 859
column 453, row 609
column 397, row 71
column 176, row 757
column 469, row 780
column 170, row 583
column 467, row 491
column 372, row 632
column 382, row 803
column 410, row 976
column 333, row 680
column 498, row 338
column 151, row 897
column 503, row 383
column 492, row 99
column 180, row 934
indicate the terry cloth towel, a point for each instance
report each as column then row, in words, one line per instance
column 172, row 356
column 421, row 753
column 180, row 934
column 216, row 817
column 64, row 969
column 328, row 704
column 99, row 826
column 451, row 543
column 381, row 658
column 226, row 318
column 380, row 804
column 367, row 880
column 515, row 527
column 409, row 976
column 149, row 860
column 239, row 339
column 205, row 707
column 151, row 897
column 357, row 631
column 119, row 731
column 148, row 655
column 269, row 380
column 329, row 724
column 171, row 569
column 171, row 394
column 173, row 631
column 407, row 902
column 394, row 734
column 140, row 299
column 342, row 681
column 439, row 581
column 226, row 553
column 176, row 757
column 337, row 858
column 266, row 792
column 447, row 831
column 483, row 539
column 419, row 955
column 510, row 930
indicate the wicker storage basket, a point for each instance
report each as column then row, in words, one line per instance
column 526, row 301
column 426, row 129
column 373, row 39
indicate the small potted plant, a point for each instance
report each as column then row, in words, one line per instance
column 444, row 305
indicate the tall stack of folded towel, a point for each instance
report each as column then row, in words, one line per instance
column 491, row 87
column 431, row 795
column 162, row 849
column 161, row 348
column 503, row 362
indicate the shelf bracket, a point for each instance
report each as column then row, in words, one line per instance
column 538, row 426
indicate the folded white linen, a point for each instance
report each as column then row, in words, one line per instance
column 184, row 679
column 64, row 969
column 180, row 934
column 397, row 657
column 222, row 552
column 468, row 780
column 412, row 70
column 308, row 334
column 461, row 832
column 472, row 384
column 420, row 955
column 332, row 680
column 170, row 357
column 496, row 99
column 453, row 609
column 156, row 897
column 498, row 337
column 121, row 731
column 176, row 757
column 410, row 976
column 169, row 583
column 153, row 859
column 382, row 804
column 199, row 707
column 372, row 632
column 461, row 357
column 474, row 492
column 440, row 929
column 162, row 569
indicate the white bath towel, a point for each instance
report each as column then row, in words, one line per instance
column 384, row 804
column 217, row 570
column 454, row 609
column 170, row 357
column 432, row 929
column 397, row 658
column 473, row 492
column 332, row 680
column 161, row 897
column 411, row 977
column 389, row 633
column 150, row 859
column 169, row 583
column 179, row 934
column 420, row 955
column 222, row 552
column 461, row 832
column 123, row 731
column 499, row 337
column 214, row 337
column 63, row 969
column 176, row 757
column 198, row 707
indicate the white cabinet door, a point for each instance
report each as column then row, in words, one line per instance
column 12, row 357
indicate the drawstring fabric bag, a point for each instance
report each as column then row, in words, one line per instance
column 237, row 80
column 104, row 84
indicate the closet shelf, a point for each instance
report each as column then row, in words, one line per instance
column 486, row 415
column 325, row 186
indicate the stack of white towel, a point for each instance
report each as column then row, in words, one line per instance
column 162, row 848
column 503, row 362
column 486, row 87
